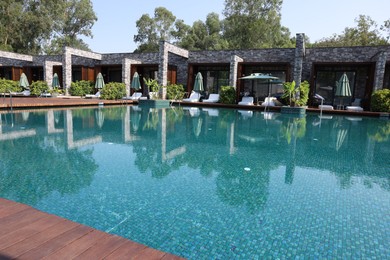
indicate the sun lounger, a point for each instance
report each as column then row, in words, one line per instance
column 24, row 93
column 135, row 96
column 194, row 97
column 97, row 95
column 325, row 107
column 213, row 98
column 269, row 102
column 246, row 101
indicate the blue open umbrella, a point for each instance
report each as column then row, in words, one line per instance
column 265, row 77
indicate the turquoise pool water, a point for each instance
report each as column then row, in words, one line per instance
column 207, row 184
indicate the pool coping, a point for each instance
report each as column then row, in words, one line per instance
column 69, row 101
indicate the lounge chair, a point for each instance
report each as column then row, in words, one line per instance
column 194, row 97
column 246, row 101
column 24, row 93
column 213, row 98
column 325, row 107
column 135, row 96
column 355, row 106
column 97, row 95
column 269, row 102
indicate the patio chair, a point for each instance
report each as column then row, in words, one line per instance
column 194, row 97
column 269, row 102
column 213, row 98
column 97, row 95
column 325, row 107
column 355, row 105
column 135, row 96
column 246, row 101
column 24, row 93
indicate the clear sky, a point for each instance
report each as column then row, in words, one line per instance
column 115, row 28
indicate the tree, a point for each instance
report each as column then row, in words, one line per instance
column 45, row 26
column 153, row 30
column 365, row 34
column 73, row 18
column 205, row 36
column 254, row 24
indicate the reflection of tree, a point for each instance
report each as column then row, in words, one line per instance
column 38, row 167
column 381, row 131
column 292, row 128
column 239, row 187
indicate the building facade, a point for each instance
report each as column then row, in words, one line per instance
column 367, row 68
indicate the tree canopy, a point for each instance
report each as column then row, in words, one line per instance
column 45, row 26
column 366, row 33
column 247, row 24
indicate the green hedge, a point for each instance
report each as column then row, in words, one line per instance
column 81, row 88
column 227, row 95
column 39, row 87
column 175, row 91
column 113, row 90
column 7, row 85
column 380, row 101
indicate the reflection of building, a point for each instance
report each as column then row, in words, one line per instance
column 368, row 68
column 13, row 133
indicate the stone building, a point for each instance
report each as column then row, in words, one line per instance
column 367, row 68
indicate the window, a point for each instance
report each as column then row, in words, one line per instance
column 214, row 78
column 326, row 84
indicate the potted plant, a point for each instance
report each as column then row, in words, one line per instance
column 156, row 99
column 55, row 91
column 296, row 97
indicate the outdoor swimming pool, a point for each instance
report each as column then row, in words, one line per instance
column 206, row 183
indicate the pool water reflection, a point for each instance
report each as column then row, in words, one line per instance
column 207, row 183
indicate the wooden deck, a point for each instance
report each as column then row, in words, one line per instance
column 27, row 233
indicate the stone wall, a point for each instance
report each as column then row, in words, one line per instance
column 301, row 60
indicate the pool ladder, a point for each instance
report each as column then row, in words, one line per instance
column 10, row 100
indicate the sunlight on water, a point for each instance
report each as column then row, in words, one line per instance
column 207, row 183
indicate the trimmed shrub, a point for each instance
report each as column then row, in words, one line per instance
column 39, row 87
column 81, row 88
column 175, row 91
column 7, row 85
column 113, row 90
column 227, row 95
column 380, row 101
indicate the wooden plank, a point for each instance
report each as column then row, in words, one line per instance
column 126, row 251
column 28, row 244
column 49, row 247
column 11, row 209
column 26, row 233
column 77, row 247
column 103, row 248
column 19, row 219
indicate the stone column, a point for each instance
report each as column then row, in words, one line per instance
column 163, row 68
column 48, row 72
column 126, row 66
column 380, row 70
column 298, row 60
column 234, row 60
column 67, row 70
